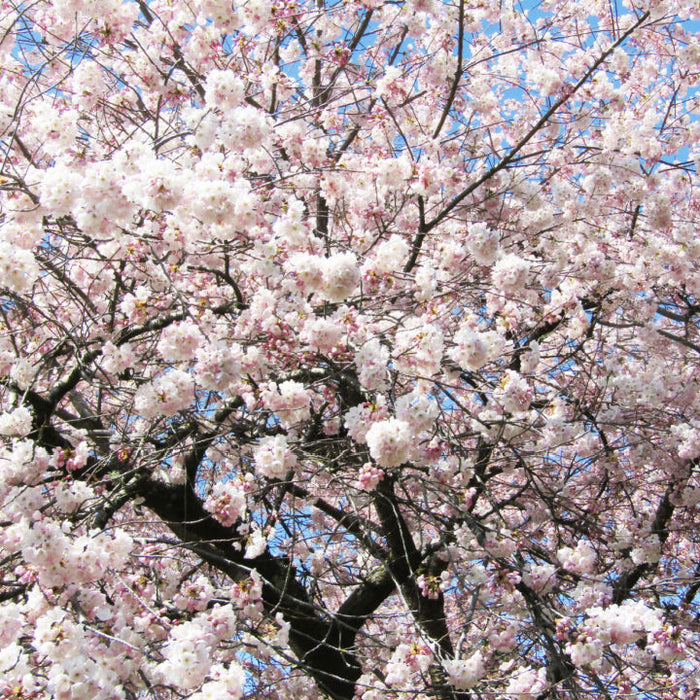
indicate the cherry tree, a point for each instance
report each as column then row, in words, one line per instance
column 349, row 349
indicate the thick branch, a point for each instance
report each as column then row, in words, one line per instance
column 403, row 565
column 318, row 643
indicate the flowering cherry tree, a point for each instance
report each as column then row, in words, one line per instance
column 349, row 349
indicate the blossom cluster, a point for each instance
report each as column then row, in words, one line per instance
column 289, row 400
column 334, row 278
column 616, row 624
column 17, row 422
column 390, row 442
column 474, row 348
column 165, row 395
column 465, row 673
column 227, row 501
column 273, row 457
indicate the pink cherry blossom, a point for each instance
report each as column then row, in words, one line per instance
column 349, row 350
column 273, row 458
column 369, row 476
column 465, row 673
column 389, row 442
column 340, row 277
